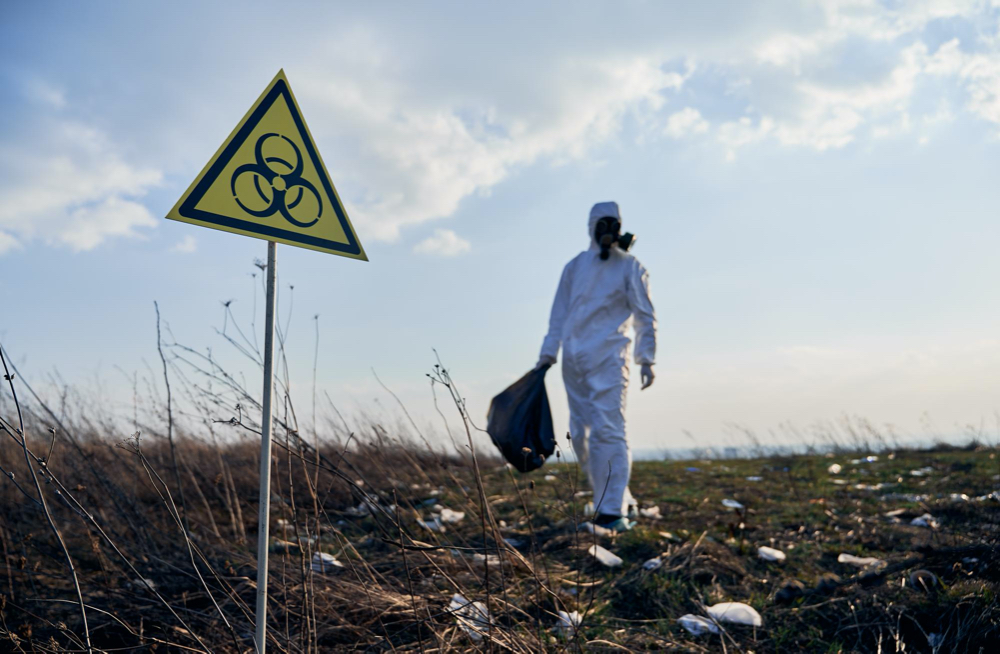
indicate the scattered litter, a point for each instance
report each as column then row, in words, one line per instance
column 922, row 472
column 697, row 625
column 770, row 554
column 281, row 522
column 995, row 495
column 874, row 487
column 861, row 561
column 583, row 493
column 653, row 564
column 834, row 468
column 693, row 469
column 926, row 520
column 473, row 617
column 450, row 517
column 605, row 557
column 871, row 459
column 488, row 559
column 432, row 525
column 598, row 530
column 755, row 478
column 895, row 513
column 735, row 612
column 733, row 504
column 568, row 624
column 669, row 536
column 435, row 492
column 840, row 482
column 588, row 509
column 323, row 562
column 550, row 477
column 958, row 497
column 652, row 512
column 904, row 497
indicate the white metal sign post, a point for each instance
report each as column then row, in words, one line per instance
column 263, row 522
column 268, row 181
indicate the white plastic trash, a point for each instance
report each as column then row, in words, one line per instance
column 860, row 561
column 653, row 564
column 770, row 554
column 735, row 612
column 473, row 617
column 697, row 625
column 568, row 623
column 598, row 530
column 323, row 562
column 732, row 504
column 550, row 477
column 926, row 520
column 755, row 478
column 652, row 512
column 451, row 517
column 488, row 559
column 604, row 557
column 834, row 469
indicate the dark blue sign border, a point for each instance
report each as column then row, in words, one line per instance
column 188, row 210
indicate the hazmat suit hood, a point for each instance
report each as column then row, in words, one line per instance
column 598, row 211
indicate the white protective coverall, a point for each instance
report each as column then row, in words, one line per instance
column 591, row 316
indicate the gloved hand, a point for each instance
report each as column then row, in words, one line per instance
column 545, row 361
column 647, row 376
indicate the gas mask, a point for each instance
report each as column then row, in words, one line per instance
column 606, row 234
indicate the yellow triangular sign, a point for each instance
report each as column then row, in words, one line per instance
column 268, row 181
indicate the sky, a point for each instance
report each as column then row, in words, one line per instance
column 813, row 187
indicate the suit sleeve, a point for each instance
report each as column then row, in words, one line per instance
column 557, row 317
column 645, row 316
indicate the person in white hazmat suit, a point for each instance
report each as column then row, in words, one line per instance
column 600, row 292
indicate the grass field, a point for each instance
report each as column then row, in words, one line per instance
column 163, row 573
column 143, row 537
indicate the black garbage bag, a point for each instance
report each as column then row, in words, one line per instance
column 520, row 422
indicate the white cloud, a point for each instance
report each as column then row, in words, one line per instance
column 89, row 225
column 685, row 122
column 69, row 185
column 978, row 72
column 738, row 133
column 822, row 114
column 443, row 243
column 8, row 242
column 416, row 156
column 186, row 245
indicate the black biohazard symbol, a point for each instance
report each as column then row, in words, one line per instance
column 284, row 188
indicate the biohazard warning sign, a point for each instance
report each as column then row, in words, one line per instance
column 268, row 181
